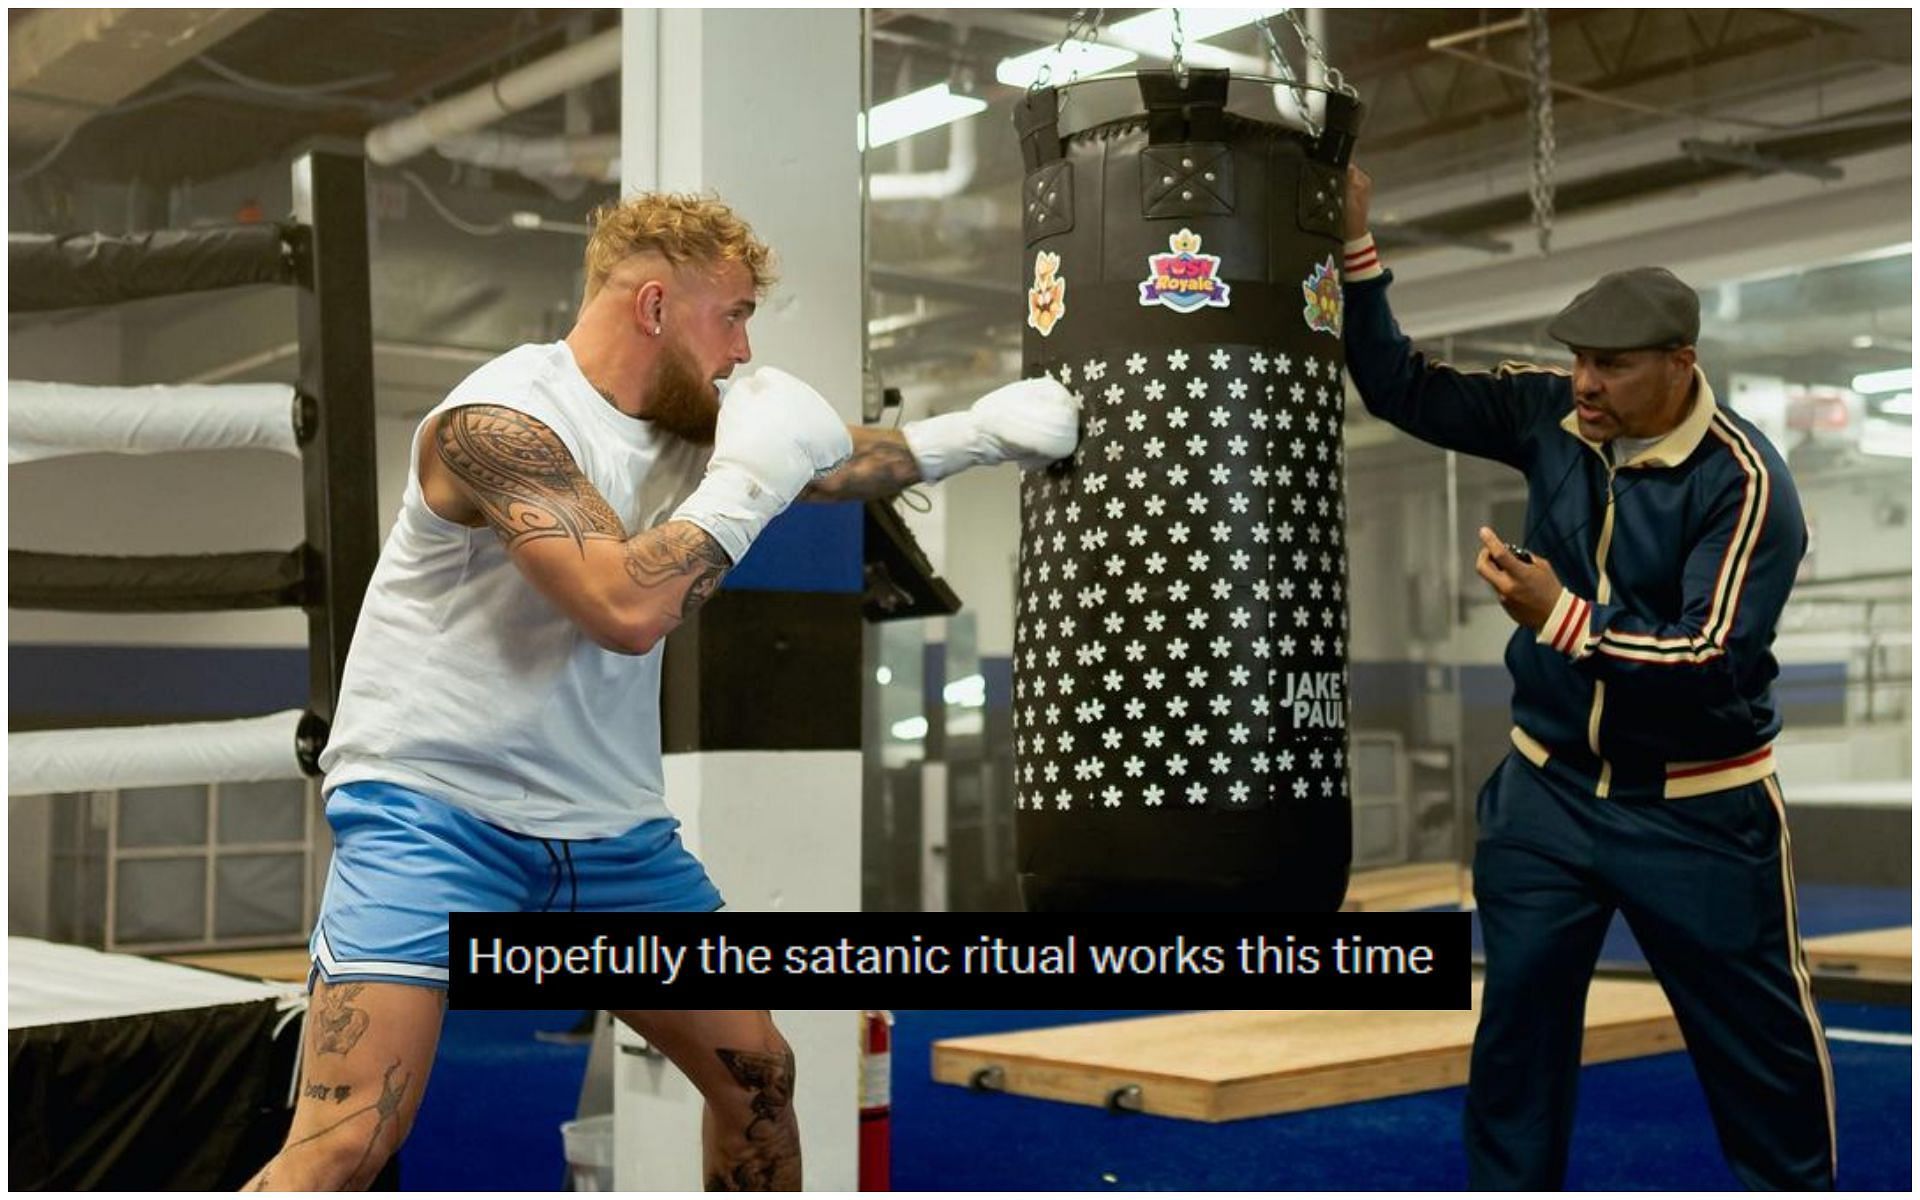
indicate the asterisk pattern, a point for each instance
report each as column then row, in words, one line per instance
column 1178, row 577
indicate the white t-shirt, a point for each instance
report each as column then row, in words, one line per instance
column 465, row 683
column 1626, row 449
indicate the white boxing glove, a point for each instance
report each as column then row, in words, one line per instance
column 1034, row 422
column 775, row 435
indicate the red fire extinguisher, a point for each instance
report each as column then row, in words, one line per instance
column 876, row 1100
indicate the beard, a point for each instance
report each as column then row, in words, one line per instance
column 683, row 403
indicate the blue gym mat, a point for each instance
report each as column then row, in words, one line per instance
column 498, row 1094
column 1643, row 1125
column 1824, row 908
column 495, row 1101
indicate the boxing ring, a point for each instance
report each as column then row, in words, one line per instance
column 125, row 1071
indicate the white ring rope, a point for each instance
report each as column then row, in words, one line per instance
column 53, row 420
column 249, row 750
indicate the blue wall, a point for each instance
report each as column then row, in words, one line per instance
column 55, row 683
column 80, row 681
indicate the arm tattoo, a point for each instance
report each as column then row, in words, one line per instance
column 522, row 477
column 771, row 1158
column 340, row 1024
column 881, row 466
column 674, row 551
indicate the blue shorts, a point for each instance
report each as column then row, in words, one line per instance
column 402, row 861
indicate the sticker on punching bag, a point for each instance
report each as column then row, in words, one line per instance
column 1185, row 280
column 1047, row 298
column 1322, row 290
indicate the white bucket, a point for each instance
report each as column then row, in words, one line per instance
column 589, row 1145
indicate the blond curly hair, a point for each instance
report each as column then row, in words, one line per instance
column 682, row 228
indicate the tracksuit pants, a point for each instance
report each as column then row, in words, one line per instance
column 1706, row 884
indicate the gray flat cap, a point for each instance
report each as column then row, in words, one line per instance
column 1630, row 310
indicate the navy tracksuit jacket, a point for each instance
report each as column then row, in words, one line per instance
column 1642, row 778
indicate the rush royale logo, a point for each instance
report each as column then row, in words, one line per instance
column 1184, row 280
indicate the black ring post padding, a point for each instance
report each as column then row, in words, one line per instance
column 1190, row 113
column 1036, row 117
column 1342, row 128
column 156, row 583
column 334, row 313
column 309, row 739
column 47, row 272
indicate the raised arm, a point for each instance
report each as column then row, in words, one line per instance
column 513, row 472
column 1488, row 414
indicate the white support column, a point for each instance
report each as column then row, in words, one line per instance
column 639, row 99
column 758, row 107
column 656, row 1140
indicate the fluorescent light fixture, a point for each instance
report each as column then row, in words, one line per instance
column 910, row 730
column 1150, row 32
column 1888, row 439
column 1156, row 27
column 1075, row 58
column 968, row 691
column 533, row 221
column 1124, row 41
column 1874, row 382
column 1901, row 405
column 915, row 112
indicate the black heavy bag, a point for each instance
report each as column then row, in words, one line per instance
column 1180, row 651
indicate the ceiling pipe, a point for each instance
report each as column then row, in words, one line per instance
column 963, row 159
column 578, row 64
column 587, row 156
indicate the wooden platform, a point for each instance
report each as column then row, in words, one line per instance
column 281, row 966
column 1414, row 886
column 1876, row 955
column 1225, row 1066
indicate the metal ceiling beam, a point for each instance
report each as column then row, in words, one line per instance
column 517, row 32
column 1888, row 32
column 1734, row 154
column 1606, row 156
column 65, row 64
column 1650, row 79
column 1737, row 229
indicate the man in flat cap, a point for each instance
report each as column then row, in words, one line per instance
column 1662, row 538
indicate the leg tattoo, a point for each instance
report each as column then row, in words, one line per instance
column 770, row 1159
column 386, row 1111
column 341, row 1025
